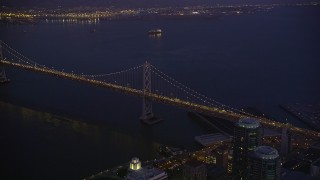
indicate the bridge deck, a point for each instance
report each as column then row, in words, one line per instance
column 224, row 114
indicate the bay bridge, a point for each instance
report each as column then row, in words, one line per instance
column 148, row 82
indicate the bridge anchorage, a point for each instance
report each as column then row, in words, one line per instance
column 147, row 116
column 3, row 77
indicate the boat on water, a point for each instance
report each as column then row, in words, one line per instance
column 155, row 32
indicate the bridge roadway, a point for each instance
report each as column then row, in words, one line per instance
column 220, row 113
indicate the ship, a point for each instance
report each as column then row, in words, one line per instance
column 155, row 32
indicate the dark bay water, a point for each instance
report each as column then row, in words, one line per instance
column 57, row 129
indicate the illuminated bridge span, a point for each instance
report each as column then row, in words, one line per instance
column 147, row 82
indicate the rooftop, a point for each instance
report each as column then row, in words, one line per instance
column 266, row 152
column 147, row 173
column 135, row 160
column 209, row 139
column 249, row 123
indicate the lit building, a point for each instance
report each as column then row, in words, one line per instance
column 264, row 163
column 135, row 164
column 229, row 170
column 286, row 144
column 246, row 137
column 210, row 158
column 194, row 169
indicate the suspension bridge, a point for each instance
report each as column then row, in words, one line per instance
column 145, row 81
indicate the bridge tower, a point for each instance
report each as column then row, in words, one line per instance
column 147, row 113
column 3, row 77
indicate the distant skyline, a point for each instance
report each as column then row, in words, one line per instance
column 136, row 3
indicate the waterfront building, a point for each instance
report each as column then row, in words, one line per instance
column 264, row 163
column 135, row 164
column 246, row 137
column 194, row 169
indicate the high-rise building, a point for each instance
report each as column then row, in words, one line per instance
column 246, row 137
column 286, row 144
column 230, row 162
column 222, row 156
column 264, row 163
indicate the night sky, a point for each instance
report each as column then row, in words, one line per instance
column 133, row 3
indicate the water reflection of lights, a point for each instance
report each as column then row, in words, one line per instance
column 156, row 36
column 54, row 120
